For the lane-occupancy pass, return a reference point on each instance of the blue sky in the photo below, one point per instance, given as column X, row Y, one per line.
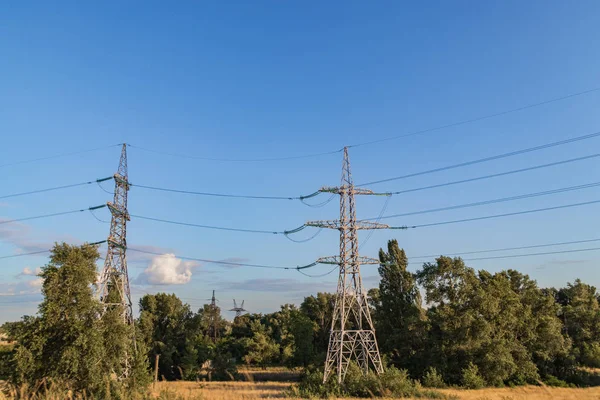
column 275, row 79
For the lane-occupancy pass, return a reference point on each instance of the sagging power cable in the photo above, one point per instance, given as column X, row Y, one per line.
column 585, row 203
column 227, row 195
column 486, row 159
column 510, row 248
column 545, row 253
column 492, row 201
column 55, row 188
column 476, row 119
column 32, row 253
column 515, row 171
column 395, row 137
column 234, row 264
column 52, row 215
column 221, row 228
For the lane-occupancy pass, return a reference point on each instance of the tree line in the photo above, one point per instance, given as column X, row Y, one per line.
column 444, row 324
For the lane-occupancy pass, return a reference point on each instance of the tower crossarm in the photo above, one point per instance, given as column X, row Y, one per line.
column 113, row 242
column 352, row 189
column 117, row 211
column 121, row 180
column 335, row 224
column 335, row 260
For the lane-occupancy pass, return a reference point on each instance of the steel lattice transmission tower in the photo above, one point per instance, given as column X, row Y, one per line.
column 352, row 335
column 113, row 288
column 214, row 318
column 238, row 310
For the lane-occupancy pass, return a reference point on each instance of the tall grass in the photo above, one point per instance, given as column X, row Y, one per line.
column 276, row 390
column 55, row 391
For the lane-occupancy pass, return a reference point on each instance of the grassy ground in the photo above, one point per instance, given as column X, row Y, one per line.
column 275, row 390
column 271, row 374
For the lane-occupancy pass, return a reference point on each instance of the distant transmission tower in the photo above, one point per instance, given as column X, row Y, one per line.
column 214, row 323
column 114, row 291
column 352, row 335
column 238, row 310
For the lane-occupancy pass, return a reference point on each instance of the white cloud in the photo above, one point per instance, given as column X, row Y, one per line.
column 29, row 287
column 36, row 283
column 30, row 272
column 167, row 270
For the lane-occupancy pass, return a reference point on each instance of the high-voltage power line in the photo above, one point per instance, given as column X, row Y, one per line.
column 486, row 159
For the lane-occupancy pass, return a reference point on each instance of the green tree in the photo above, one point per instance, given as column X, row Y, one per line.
column 580, row 313
column 399, row 316
column 501, row 323
column 117, row 336
column 302, row 329
column 319, row 309
column 262, row 349
column 280, row 327
column 169, row 329
column 65, row 341
column 211, row 322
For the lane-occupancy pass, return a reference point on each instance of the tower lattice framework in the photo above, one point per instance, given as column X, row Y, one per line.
column 114, row 278
column 214, row 318
column 352, row 335
column 238, row 310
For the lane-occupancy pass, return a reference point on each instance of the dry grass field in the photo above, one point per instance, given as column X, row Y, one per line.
column 276, row 390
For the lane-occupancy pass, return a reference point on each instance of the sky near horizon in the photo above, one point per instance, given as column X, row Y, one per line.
column 268, row 79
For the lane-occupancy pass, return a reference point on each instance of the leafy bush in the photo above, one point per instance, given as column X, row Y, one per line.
column 433, row 379
column 396, row 382
column 471, row 378
column 223, row 368
column 6, row 362
column 311, row 385
column 551, row 380
column 581, row 378
column 590, row 355
column 392, row 383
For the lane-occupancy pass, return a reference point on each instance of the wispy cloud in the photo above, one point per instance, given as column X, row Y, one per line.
column 24, row 238
column 560, row 263
column 36, row 283
column 21, row 288
column 27, row 271
column 284, row 285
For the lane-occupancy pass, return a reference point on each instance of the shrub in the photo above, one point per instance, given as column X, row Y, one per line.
column 551, row 380
column 590, row 355
column 392, row 383
column 6, row 362
column 311, row 386
column 224, row 369
column 582, row 378
column 433, row 379
column 471, row 378
column 396, row 382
